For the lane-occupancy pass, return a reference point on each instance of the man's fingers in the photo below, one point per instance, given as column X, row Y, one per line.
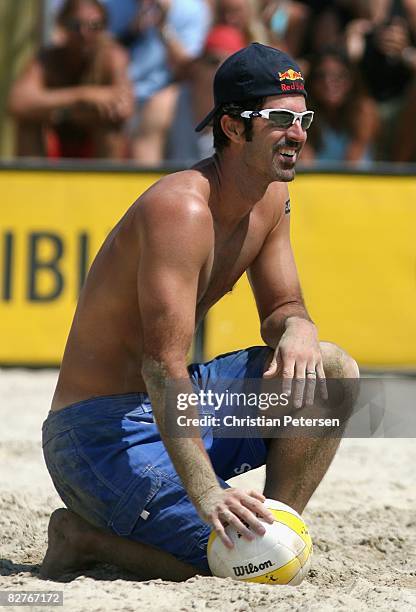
column 297, row 392
column 258, row 508
column 310, row 385
column 249, row 518
column 273, row 367
column 299, row 385
column 287, row 373
column 230, row 516
column 220, row 531
column 271, row 370
column 323, row 390
column 256, row 495
column 244, row 516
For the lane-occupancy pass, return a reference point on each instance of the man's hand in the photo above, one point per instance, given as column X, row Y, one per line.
column 298, row 355
column 151, row 14
column 393, row 38
column 221, row 507
column 111, row 103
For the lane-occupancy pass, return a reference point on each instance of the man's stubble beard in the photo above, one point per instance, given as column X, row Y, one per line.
column 284, row 175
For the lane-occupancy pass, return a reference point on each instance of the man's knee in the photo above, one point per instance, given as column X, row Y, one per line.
column 343, row 384
column 337, row 363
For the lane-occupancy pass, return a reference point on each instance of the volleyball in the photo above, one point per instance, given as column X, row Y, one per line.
column 281, row 556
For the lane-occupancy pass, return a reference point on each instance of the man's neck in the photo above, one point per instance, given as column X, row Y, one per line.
column 235, row 192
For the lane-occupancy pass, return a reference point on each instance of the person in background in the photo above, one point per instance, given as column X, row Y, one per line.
column 383, row 45
column 404, row 143
column 196, row 99
column 244, row 16
column 286, row 22
column 306, row 27
column 75, row 96
column 346, row 121
column 162, row 36
column 328, row 22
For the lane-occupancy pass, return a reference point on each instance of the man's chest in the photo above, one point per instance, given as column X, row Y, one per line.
column 230, row 257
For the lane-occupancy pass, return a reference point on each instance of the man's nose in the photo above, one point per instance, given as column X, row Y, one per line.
column 296, row 132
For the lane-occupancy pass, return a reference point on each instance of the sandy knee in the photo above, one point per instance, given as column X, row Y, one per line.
column 337, row 362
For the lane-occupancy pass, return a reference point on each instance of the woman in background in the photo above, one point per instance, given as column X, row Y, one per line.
column 346, row 121
column 243, row 15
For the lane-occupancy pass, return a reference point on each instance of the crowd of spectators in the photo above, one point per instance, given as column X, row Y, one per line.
column 129, row 79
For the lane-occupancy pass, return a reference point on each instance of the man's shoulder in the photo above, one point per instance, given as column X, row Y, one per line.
column 277, row 192
column 276, row 202
column 180, row 198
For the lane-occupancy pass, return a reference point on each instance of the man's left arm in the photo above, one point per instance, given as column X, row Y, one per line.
column 285, row 323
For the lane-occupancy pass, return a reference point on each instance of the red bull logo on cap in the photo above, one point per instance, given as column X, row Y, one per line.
column 290, row 75
column 294, row 76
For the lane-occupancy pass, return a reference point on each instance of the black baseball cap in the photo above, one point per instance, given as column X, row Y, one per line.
column 254, row 72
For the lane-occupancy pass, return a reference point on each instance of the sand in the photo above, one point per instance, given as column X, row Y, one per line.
column 362, row 519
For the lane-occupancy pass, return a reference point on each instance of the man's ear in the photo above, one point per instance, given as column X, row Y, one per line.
column 233, row 128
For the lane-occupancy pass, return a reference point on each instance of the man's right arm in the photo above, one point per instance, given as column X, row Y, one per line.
column 175, row 241
column 31, row 100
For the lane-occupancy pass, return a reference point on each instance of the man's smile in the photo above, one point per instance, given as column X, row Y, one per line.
column 287, row 152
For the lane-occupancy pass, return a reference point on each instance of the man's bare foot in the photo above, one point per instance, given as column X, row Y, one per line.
column 70, row 540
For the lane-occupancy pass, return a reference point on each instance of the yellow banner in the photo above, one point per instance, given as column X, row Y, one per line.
column 353, row 238
column 52, row 225
column 355, row 246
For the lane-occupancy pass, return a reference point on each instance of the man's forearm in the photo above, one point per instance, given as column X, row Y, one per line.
column 188, row 454
column 276, row 323
column 41, row 105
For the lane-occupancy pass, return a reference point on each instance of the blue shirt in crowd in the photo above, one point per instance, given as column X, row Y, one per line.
column 149, row 66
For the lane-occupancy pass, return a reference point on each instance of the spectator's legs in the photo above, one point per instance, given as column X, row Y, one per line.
column 111, row 143
column 29, row 139
column 404, row 146
column 156, row 116
column 390, row 115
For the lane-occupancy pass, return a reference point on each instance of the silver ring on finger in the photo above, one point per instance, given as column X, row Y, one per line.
column 310, row 373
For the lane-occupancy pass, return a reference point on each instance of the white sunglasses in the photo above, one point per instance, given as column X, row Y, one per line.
column 282, row 117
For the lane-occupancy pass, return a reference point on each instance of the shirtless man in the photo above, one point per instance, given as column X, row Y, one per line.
column 73, row 99
column 138, row 497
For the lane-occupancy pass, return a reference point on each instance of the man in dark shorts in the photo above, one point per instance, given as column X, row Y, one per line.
column 138, row 497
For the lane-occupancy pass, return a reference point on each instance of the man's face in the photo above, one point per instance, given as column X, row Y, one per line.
column 274, row 151
column 84, row 28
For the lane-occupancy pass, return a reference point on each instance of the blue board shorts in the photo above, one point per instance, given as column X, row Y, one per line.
column 109, row 465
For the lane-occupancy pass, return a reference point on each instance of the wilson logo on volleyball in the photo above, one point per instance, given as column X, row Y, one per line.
column 247, row 570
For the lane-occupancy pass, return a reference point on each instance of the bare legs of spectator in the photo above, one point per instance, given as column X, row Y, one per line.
column 156, row 116
column 29, row 140
column 404, row 147
column 111, row 143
